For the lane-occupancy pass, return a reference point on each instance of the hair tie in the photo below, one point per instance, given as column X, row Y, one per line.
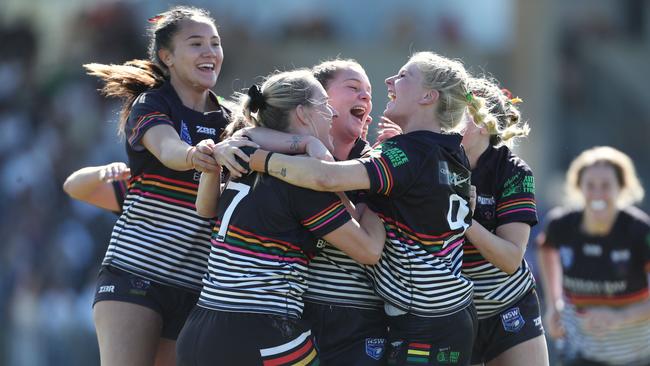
column 258, row 102
column 154, row 19
column 507, row 93
column 469, row 96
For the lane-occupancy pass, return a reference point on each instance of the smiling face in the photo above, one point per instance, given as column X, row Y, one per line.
column 197, row 55
column 319, row 116
column 350, row 95
column 405, row 91
column 600, row 188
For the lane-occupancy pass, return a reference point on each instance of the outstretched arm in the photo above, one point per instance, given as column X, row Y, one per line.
column 165, row 144
column 362, row 241
column 94, row 185
column 286, row 143
column 312, row 173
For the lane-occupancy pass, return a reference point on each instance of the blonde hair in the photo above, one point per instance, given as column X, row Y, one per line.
column 506, row 124
column 282, row 92
column 631, row 190
column 450, row 79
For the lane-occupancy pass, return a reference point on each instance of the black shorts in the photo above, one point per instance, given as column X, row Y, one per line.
column 213, row 337
column 347, row 336
column 172, row 303
column 447, row 340
column 515, row 324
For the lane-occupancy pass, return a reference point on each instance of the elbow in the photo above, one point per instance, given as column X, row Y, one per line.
column 510, row 269
column 69, row 189
column 325, row 181
column 374, row 254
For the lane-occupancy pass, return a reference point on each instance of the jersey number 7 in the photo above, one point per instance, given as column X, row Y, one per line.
column 242, row 191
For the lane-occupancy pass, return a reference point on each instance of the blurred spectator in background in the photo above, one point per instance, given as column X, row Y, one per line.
column 594, row 262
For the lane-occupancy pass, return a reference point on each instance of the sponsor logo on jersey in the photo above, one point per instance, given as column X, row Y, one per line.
column 375, row 347
column 105, row 289
column 566, row 256
column 185, row 133
column 512, row 320
column 622, row 255
column 206, row 130
column 447, row 177
column 592, row 250
column 396, row 156
column 485, row 200
column 321, row 243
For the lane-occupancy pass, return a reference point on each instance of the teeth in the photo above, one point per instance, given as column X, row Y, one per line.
column 598, row 205
column 391, row 96
column 209, row 66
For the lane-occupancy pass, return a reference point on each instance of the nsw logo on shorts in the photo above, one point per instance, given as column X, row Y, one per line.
column 512, row 320
column 375, row 347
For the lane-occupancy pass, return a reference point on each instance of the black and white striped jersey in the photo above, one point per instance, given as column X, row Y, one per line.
column 505, row 193
column 336, row 279
column 262, row 243
column 159, row 235
column 420, row 187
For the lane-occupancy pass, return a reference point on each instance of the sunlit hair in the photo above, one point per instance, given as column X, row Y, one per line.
column 282, row 92
column 450, row 79
column 631, row 190
column 506, row 124
column 326, row 71
column 129, row 80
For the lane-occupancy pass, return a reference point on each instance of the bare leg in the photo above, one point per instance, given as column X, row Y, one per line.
column 128, row 334
column 533, row 352
column 166, row 355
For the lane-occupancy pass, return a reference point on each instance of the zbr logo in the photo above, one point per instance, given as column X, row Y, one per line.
column 512, row 320
column 206, row 130
column 375, row 347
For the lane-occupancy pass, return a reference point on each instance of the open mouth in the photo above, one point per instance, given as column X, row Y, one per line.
column 391, row 96
column 358, row 112
column 206, row 66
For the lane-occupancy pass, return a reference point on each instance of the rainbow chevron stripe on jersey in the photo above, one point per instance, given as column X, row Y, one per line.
column 505, row 193
column 262, row 243
column 158, row 235
column 419, row 185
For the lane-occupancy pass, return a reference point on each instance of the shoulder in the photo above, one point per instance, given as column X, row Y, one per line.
column 511, row 161
column 156, row 99
column 636, row 218
column 562, row 216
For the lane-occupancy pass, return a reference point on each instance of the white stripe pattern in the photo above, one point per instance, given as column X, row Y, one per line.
column 163, row 242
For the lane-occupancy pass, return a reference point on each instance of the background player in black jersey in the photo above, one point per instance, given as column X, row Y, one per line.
column 510, row 330
column 419, row 184
column 103, row 186
column 159, row 246
column 250, row 307
column 594, row 261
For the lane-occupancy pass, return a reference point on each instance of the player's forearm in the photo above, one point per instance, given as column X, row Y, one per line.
column 551, row 272
column 208, row 194
column 277, row 141
column 502, row 253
